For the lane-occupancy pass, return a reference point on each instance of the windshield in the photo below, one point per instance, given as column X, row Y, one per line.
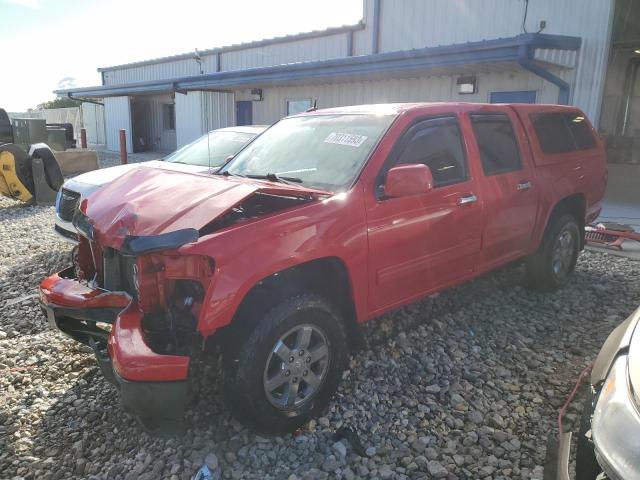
column 212, row 153
column 319, row 151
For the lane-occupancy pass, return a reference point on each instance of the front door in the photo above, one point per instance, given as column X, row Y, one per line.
column 244, row 112
column 508, row 187
column 421, row 243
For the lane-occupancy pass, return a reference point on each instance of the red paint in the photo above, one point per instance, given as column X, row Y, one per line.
column 131, row 357
column 66, row 292
column 395, row 250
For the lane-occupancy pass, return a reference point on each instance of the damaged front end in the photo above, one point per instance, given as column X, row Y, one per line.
column 138, row 309
column 135, row 295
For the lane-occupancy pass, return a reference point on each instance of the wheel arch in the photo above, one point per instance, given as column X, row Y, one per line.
column 574, row 204
column 326, row 276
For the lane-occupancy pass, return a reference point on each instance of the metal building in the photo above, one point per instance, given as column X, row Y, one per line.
column 543, row 51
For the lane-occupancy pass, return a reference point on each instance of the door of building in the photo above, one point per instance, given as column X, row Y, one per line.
column 244, row 112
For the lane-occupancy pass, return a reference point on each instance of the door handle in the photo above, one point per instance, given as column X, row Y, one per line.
column 467, row 199
column 523, row 186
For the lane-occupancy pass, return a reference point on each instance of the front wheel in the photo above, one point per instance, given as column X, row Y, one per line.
column 551, row 266
column 286, row 371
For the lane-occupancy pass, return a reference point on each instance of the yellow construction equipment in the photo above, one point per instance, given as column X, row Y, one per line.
column 34, row 177
column 11, row 183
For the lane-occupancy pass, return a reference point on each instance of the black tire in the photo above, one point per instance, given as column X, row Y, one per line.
column 587, row 467
column 542, row 272
column 245, row 363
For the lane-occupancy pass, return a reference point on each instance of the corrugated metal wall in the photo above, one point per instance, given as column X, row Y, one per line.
column 218, row 110
column 407, row 24
column 188, row 117
column 172, row 69
column 93, row 122
column 118, row 114
column 199, row 112
column 418, row 89
column 319, row 48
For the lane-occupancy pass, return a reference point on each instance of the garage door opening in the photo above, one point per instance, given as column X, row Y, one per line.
column 153, row 123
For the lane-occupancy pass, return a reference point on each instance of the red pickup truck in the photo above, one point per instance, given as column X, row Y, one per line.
column 328, row 219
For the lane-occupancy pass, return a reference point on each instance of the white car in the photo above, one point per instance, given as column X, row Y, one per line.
column 204, row 154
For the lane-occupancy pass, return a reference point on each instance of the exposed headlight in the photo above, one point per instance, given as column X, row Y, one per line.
column 615, row 426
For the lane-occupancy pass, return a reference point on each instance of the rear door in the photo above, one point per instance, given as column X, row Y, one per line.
column 427, row 241
column 509, row 189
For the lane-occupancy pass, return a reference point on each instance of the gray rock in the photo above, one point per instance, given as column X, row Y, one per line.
column 436, row 470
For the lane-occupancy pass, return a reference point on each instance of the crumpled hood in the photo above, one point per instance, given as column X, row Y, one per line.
column 148, row 202
column 105, row 175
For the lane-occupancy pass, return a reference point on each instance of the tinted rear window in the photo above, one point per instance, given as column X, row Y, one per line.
column 580, row 130
column 562, row 132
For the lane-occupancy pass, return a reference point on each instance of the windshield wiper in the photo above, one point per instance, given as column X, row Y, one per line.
column 272, row 177
column 227, row 173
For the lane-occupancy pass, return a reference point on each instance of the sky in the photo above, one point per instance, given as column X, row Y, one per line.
column 51, row 44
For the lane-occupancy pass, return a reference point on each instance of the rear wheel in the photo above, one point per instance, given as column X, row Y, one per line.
column 551, row 266
column 287, row 369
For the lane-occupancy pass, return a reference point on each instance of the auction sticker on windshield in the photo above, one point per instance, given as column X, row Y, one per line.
column 349, row 139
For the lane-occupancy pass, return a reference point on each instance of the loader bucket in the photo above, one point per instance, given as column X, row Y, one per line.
column 16, row 179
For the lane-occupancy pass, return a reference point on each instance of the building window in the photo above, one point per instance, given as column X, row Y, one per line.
column 496, row 142
column 298, row 106
column 169, row 116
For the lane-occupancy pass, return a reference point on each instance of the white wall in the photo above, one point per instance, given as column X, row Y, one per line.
column 417, row 89
column 118, row 115
column 310, row 49
column 188, row 117
column 93, row 122
column 407, row 24
column 199, row 112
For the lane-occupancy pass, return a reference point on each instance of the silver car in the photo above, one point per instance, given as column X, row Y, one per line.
column 608, row 444
column 207, row 152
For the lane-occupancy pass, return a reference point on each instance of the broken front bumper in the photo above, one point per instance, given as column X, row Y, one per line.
column 153, row 387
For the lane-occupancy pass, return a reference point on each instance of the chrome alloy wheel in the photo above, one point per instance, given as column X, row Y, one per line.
column 296, row 367
column 563, row 252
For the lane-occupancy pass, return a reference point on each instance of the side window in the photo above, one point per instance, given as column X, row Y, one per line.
column 438, row 144
column 562, row 132
column 497, row 143
column 552, row 132
column 580, row 130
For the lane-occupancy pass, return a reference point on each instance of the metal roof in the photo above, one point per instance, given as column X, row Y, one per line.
column 512, row 51
column 241, row 46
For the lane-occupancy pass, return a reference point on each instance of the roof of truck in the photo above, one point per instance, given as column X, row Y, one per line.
column 397, row 108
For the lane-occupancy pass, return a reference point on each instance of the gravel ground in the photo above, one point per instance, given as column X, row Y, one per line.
column 464, row 385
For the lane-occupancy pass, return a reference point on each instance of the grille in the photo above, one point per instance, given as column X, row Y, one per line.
column 118, row 271
column 68, row 204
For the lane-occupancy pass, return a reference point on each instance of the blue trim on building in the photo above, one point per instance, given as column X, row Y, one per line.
column 375, row 34
column 525, row 60
column 517, row 50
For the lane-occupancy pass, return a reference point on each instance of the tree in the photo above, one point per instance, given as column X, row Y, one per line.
column 60, row 102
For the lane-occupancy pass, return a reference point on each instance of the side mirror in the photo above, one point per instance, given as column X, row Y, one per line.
column 229, row 158
column 407, row 180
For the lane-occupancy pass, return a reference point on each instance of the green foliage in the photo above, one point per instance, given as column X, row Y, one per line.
column 60, row 102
